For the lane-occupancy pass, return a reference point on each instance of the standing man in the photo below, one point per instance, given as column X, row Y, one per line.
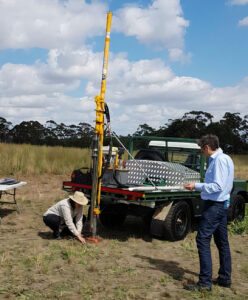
column 215, row 192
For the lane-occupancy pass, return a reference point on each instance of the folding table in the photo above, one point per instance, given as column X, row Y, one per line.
column 10, row 189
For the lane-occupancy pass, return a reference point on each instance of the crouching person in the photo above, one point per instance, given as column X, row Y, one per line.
column 67, row 214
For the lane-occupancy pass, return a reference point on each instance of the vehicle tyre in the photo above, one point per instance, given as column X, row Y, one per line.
column 149, row 155
column 236, row 211
column 113, row 215
column 178, row 221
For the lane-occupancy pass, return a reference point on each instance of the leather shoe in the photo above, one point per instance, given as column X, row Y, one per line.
column 197, row 287
column 221, row 283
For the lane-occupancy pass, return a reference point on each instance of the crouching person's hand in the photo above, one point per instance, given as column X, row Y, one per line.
column 81, row 239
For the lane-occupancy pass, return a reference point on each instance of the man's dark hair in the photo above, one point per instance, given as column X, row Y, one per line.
column 211, row 140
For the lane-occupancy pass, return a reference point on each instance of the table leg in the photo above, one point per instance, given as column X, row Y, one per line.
column 14, row 197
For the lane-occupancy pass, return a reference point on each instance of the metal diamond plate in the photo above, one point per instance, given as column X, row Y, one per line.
column 163, row 173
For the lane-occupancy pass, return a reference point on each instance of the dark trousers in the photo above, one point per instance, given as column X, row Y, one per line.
column 53, row 222
column 213, row 222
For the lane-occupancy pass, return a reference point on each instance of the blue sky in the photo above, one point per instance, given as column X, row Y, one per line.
column 167, row 57
column 218, row 44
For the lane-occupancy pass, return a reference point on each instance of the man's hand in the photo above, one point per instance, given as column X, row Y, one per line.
column 189, row 186
column 81, row 239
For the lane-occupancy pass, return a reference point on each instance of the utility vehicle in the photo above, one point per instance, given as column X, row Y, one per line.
column 149, row 185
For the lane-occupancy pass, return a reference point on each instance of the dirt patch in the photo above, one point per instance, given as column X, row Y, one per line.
column 127, row 264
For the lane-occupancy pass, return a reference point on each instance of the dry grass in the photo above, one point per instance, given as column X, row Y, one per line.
column 241, row 166
column 34, row 160
column 127, row 264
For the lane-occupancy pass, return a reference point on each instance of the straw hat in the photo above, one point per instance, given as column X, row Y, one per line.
column 79, row 198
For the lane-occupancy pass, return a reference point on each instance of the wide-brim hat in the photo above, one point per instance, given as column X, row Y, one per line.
column 79, row 198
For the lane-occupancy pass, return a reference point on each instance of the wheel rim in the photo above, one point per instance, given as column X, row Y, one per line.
column 181, row 222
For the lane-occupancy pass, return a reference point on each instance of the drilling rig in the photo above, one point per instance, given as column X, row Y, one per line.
column 97, row 149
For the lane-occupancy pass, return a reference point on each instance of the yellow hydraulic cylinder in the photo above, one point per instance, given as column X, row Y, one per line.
column 99, row 128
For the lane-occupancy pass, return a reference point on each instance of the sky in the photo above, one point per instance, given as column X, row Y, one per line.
column 167, row 57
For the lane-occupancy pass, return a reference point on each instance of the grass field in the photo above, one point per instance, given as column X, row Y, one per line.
column 34, row 160
column 128, row 264
column 241, row 166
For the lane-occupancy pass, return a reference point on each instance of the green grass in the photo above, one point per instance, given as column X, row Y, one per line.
column 121, row 292
column 237, row 227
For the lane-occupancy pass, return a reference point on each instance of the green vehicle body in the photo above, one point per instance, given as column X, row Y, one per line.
column 240, row 186
column 170, row 213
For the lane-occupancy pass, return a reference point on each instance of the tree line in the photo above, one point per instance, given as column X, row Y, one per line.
column 50, row 134
column 232, row 130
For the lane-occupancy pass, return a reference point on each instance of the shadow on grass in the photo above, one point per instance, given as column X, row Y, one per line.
column 171, row 268
column 4, row 212
column 133, row 227
column 46, row 235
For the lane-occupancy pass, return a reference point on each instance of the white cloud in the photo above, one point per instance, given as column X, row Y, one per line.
column 49, row 23
column 145, row 91
column 26, row 80
column 54, row 24
column 69, row 65
column 238, row 2
column 57, row 107
column 162, row 23
column 243, row 22
column 157, row 101
column 38, row 92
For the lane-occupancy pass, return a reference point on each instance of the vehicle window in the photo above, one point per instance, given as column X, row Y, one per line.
column 188, row 160
column 177, row 157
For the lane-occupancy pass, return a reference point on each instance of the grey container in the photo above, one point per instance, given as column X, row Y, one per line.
column 115, row 177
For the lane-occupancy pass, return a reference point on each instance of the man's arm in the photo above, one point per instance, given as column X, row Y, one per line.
column 220, row 174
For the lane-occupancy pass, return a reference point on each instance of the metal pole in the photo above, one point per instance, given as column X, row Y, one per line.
column 95, row 149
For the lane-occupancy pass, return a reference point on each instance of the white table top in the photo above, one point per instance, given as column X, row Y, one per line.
column 5, row 187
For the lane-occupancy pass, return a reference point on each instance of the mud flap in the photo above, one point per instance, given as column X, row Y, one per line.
column 157, row 223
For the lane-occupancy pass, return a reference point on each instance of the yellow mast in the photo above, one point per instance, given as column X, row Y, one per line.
column 100, row 101
column 99, row 129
